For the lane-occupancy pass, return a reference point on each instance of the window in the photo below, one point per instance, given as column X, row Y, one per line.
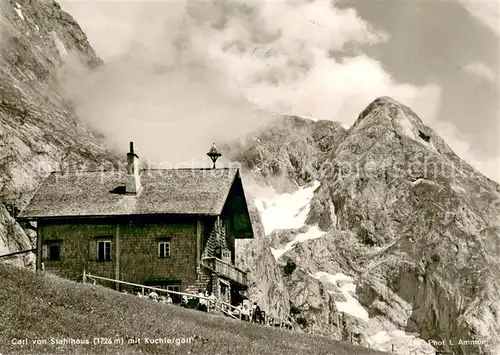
column 224, row 291
column 104, row 250
column 51, row 250
column 175, row 288
column 226, row 255
column 100, row 248
column 54, row 252
column 163, row 249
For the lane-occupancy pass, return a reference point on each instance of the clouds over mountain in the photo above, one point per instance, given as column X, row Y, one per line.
column 184, row 69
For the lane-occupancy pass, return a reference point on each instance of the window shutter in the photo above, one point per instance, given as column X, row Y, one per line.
column 92, row 250
column 108, row 251
column 45, row 251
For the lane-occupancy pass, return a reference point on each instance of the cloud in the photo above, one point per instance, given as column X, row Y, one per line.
column 340, row 90
column 486, row 12
column 488, row 166
column 180, row 75
column 481, row 70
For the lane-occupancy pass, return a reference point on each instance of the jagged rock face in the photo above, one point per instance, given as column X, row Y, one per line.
column 39, row 131
column 414, row 225
column 287, row 152
column 14, row 238
column 265, row 279
column 265, row 159
column 436, row 218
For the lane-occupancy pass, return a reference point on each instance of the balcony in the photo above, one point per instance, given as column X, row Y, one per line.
column 226, row 270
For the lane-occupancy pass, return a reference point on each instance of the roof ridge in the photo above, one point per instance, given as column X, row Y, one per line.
column 165, row 191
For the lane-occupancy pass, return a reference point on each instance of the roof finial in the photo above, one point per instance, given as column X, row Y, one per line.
column 214, row 154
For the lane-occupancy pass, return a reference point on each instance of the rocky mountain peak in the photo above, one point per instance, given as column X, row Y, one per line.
column 414, row 226
column 386, row 113
column 382, row 102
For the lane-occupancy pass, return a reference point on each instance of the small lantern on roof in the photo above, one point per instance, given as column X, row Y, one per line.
column 213, row 154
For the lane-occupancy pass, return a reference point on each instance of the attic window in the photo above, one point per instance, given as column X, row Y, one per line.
column 120, row 189
column 424, row 136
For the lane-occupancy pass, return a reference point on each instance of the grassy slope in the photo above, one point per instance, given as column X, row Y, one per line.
column 41, row 306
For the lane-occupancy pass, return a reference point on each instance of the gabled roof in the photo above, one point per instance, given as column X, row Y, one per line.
column 168, row 191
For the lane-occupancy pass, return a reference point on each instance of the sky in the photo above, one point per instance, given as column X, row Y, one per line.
column 184, row 74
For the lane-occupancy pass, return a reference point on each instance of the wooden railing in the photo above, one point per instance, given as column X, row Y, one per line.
column 220, row 306
column 211, row 304
column 226, row 269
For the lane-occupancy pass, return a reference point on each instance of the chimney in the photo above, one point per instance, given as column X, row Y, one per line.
column 130, row 159
column 133, row 167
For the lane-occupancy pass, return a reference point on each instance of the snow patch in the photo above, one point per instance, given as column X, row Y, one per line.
column 408, row 129
column 285, row 211
column 423, row 181
column 457, row 189
column 379, row 338
column 429, row 145
column 406, row 126
column 313, row 233
column 60, row 46
column 346, row 126
column 302, row 116
column 432, row 147
column 19, row 11
column 348, row 288
column 404, row 343
column 37, row 28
